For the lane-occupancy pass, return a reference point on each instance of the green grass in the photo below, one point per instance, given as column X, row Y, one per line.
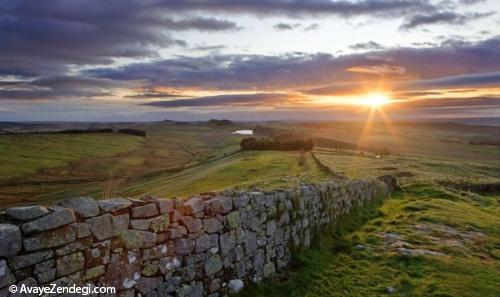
column 264, row 170
column 26, row 154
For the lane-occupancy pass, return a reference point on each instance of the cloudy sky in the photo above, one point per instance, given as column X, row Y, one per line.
column 121, row 60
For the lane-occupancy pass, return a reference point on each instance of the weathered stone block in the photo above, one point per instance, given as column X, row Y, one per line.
column 206, row 242
column 140, row 224
column 6, row 276
column 70, row 263
column 213, row 264
column 220, row 205
column 94, row 272
column 183, row 246
column 170, row 285
column 98, row 254
column 58, row 218
column 147, row 284
column 10, row 240
column 120, row 223
column 84, row 207
column 156, row 252
column 26, row 260
column 227, row 242
column 192, row 290
column 51, row 238
column 235, row 286
column 145, row 211
column 123, row 270
column 101, row 227
column 25, row 213
column 233, row 219
column 193, row 206
column 169, row 264
column 212, row 225
column 160, row 223
column 193, row 225
column 251, row 243
column 114, row 205
column 82, row 230
column 134, row 239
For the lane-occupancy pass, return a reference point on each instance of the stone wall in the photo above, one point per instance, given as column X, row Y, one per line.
column 209, row 245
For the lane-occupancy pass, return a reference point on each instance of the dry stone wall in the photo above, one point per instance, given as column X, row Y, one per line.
column 209, row 245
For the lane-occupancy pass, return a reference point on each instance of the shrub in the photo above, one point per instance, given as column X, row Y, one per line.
column 270, row 144
column 135, row 132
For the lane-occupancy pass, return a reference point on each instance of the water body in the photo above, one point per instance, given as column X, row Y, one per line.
column 243, row 132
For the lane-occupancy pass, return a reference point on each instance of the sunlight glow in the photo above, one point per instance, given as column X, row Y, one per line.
column 376, row 100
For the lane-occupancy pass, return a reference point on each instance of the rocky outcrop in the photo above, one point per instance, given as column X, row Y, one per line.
column 209, row 245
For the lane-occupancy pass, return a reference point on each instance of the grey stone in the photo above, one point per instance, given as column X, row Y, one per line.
column 193, row 206
column 160, row 223
column 114, row 205
column 271, row 228
column 84, row 207
column 206, row 242
column 58, row 218
column 220, row 205
column 101, row 227
column 46, row 276
column 193, row 225
column 26, row 260
column 233, row 219
column 251, row 243
column 213, row 264
column 25, row 213
column 169, row 264
column 170, row 285
column 98, row 254
column 156, row 252
column 44, row 266
column 28, row 283
column 69, row 264
column 6, row 276
column 94, row 272
column 82, row 230
column 51, row 238
column 10, row 240
column 240, row 201
column 212, row 225
column 138, row 239
column 193, row 290
column 76, row 246
column 227, row 242
column 123, row 270
column 269, row 269
column 120, row 223
column 183, row 246
column 141, row 224
column 147, row 284
column 145, row 211
column 235, row 286
column 164, row 205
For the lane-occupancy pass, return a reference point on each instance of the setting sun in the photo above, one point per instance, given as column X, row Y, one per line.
column 376, row 100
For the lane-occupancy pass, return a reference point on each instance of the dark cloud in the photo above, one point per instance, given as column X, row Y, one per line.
column 304, row 8
column 66, row 87
column 44, row 38
column 370, row 45
column 312, row 27
column 292, row 71
column 440, row 102
column 448, row 17
column 228, row 100
column 209, row 48
column 285, row 26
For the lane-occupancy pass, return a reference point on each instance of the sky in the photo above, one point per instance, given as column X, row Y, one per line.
column 148, row 60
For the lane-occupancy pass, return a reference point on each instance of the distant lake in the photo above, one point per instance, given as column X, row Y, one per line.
column 243, row 132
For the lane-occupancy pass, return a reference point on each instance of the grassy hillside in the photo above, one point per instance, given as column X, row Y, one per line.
column 28, row 153
column 264, row 170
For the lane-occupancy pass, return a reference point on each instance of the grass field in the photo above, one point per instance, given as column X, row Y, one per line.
column 430, row 238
